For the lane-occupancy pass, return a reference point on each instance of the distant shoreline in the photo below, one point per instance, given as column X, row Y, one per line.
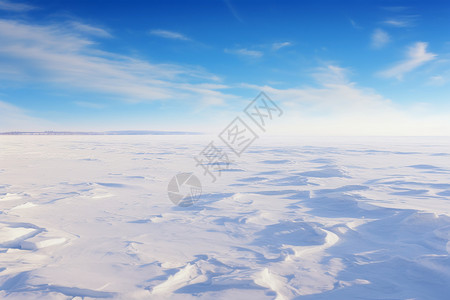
column 125, row 132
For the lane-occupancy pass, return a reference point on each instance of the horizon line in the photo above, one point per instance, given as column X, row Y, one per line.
column 113, row 132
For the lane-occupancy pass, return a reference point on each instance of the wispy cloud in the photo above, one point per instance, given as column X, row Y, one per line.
column 331, row 74
column 439, row 80
column 380, row 38
column 245, row 52
column 396, row 23
column 278, row 46
column 91, row 30
column 338, row 106
column 355, row 25
column 169, row 34
column 15, row 7
column 401, row 21
column 233, row 10
column 63, row 57
column 15, row 118
column 417, row 55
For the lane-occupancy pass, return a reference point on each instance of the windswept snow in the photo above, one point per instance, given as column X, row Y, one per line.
column 299, row 218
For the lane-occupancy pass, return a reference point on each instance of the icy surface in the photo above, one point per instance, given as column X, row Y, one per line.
column 308, row 218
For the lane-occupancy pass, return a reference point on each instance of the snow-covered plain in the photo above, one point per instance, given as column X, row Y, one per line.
column 308, row 218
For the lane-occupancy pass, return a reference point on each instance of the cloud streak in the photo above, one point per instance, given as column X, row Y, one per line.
column 417, row 56
column 233, row 11
column 65, row 58
column 90, row 30
column 245, row 52
column 278, row 46
column 355, row 25
column 167, row 34
column 401, row 21
column 15, row 7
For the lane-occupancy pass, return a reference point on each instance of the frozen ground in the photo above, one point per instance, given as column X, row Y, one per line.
column 356, row 218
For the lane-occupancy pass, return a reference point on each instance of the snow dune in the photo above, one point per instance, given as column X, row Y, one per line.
column 304, row 218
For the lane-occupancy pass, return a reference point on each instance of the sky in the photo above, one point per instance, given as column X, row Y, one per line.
column 333, row 67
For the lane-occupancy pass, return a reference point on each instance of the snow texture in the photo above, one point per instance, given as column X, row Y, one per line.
column 84, row 217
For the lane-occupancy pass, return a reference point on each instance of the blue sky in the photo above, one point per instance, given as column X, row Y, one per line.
column 335, row 67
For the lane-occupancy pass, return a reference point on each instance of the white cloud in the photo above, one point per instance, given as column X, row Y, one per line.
column 91, row 30
column 396, row 23
column 278, row 46
column 380, row 38
column 355, row 25
column 417, row 56
column 169, row 34
column 15, row 7
column 401, row 21
column 14, row 118
column 245, row 52
column 438, row 80
column 233, row 11
column 331, row 74
column 65, row 58
column 338, row 106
